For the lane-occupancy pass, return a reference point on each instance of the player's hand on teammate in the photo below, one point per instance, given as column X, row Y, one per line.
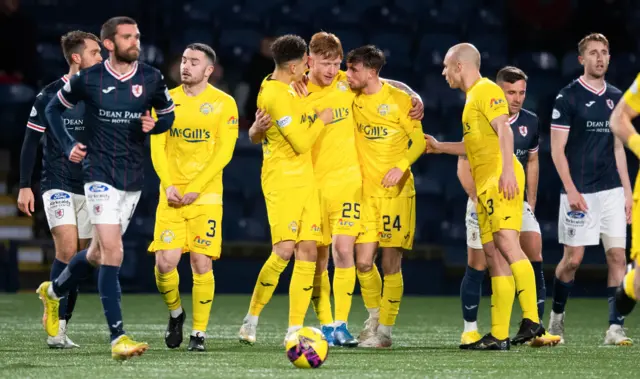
column 148, row 123
column 173, row 196
column 577, row 201
column 262, row 122
column 392, row 177
column 417, row 111
column 432, row 145
column 26, row 201
column 326, row 115
column 301, row 86
column 78, row 153
column 508, row 184
column 189, row 198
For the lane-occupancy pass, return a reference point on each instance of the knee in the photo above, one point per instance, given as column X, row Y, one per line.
column 364, row 266
column 200, row 263
column 616, row 258
column 165, row 262
column 391, row 261
column 572, row 261
column 65, row 253
column 307, row 251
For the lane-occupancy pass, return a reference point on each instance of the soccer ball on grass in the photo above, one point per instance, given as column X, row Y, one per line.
column 307, row 348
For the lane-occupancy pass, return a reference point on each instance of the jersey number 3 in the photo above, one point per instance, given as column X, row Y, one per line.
column 212, row 228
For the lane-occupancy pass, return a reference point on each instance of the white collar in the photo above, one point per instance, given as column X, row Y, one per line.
column 121, row 77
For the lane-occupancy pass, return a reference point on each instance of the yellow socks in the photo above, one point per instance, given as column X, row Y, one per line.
column 321, row 298
column 526, row 289
column 344, row 282
column 202, row 298
column 168, row 286
column 392, row 295
column 266, row 283
column 300, row 291
column 371, row 288
column 628, row 284
column 503, row 288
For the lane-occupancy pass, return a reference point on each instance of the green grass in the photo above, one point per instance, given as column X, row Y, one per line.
column 425, row 344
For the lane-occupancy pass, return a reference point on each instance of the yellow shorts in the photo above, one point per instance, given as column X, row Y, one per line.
column 194, row 228
column 341, row 211
column 391, row 221
column 294, row 214
column 495, row 212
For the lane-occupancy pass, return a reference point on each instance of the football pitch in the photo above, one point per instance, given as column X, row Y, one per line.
column 425, row 344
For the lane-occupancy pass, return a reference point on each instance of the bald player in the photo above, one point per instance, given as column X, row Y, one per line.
column 499, row 181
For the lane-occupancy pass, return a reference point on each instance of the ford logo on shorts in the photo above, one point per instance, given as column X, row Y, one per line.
column 576, row 214
column 98, row 188
column 474, row 216
column 60, row 196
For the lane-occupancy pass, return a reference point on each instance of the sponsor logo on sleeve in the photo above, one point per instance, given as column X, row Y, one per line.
column 284, row 121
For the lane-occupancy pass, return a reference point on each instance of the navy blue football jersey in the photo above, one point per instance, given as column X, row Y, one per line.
column 526, row 135
column 114, row 104
column 584, row 112
column 57, row 171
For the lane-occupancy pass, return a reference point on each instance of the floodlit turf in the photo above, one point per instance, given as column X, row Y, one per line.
column 425, row 344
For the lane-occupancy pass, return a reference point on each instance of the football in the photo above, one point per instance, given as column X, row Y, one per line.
column 307, row 348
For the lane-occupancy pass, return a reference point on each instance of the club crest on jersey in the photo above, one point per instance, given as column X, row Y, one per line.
column 293, row 226
column 136, row 90
column 523, row 130
column 610, row 103
column 206, row 108
column 383, row 110
column 342, row 86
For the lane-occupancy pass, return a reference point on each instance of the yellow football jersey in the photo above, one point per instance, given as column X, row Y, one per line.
column 334, row 155
column 632, row 95
column 192, row 154
column 382, row 139
column 286, row 147
column 485, row 101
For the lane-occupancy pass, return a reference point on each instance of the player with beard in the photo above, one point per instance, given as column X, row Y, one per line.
column 118, row 96
column 189, row 161
column 595, row 202
column 61, row 181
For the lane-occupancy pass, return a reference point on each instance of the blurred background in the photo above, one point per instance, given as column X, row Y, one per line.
column 539, row 36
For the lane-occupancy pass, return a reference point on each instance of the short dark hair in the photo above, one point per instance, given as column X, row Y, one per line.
column 369, row 55
column 287, row 48
column 206, row 49
column 511, row 74
column 74, row 42
column 593, row 37
column 110, row 28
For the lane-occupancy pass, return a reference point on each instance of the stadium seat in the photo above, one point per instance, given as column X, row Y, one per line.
column 484, row 21
column 537, row 61
column 570, row 66
column 389, row 16
column 240, row 43
column 439, row 21
column 489, row 45
column 416, row 7
column 330, row 17
column 349, row 37
column 396, row 46
column 152, row 55
column 432, row 48
column 16, row 94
